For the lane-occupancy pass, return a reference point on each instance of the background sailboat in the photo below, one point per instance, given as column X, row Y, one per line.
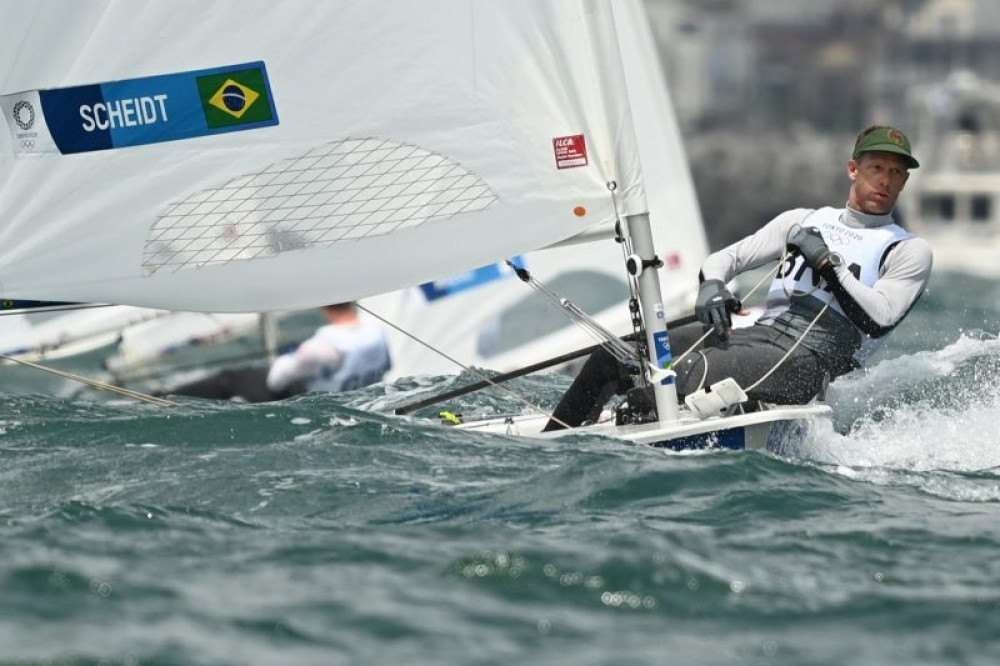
column 54, row 335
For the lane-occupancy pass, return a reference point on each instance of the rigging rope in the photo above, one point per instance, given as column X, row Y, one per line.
column 750, row 293
column 784, row 256
column 111, row 388
column 611, row 342
column 789, row 352
column 774, row 368
column 608, row 340
column 631, row 281
column 464, row 367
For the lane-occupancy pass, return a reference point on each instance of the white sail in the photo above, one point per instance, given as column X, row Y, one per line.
column 491, row 319
column 488, row 318
column 673, row 204
column 237, row 156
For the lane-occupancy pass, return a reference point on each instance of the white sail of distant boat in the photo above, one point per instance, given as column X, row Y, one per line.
column 60, row 334
column 208, row 162
column 156, row 341
column 145, row 335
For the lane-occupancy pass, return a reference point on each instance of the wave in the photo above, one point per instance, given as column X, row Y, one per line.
column 925, row 420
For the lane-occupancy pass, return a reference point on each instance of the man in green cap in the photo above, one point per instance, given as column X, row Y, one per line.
column 848, row 277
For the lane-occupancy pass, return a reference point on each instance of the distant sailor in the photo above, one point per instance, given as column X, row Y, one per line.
column 856, row 259
column 347, row 353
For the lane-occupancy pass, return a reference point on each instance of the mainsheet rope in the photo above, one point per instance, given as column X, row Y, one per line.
column 798, row 341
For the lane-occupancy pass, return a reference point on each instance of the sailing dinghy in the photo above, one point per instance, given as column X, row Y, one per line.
column 234, row 158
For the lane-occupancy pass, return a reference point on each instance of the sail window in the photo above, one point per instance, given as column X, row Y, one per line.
column 534, row 317
column 341, row 191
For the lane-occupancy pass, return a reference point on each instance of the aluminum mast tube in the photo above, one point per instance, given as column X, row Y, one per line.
column 664, row 391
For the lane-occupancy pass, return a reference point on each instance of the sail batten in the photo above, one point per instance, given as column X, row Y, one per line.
column 233, row 157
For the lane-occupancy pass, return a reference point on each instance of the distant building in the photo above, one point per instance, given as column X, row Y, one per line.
column 932, row 40
column 705, row 54
column 944, row 35
column 831, row 64
column 771, row 63
column 770, row 94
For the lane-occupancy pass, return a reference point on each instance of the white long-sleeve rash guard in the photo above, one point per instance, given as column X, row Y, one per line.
column 304, row 363
column 902, row 276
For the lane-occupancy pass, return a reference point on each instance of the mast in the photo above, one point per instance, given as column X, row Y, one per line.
column 269, row 335
column 651, row 302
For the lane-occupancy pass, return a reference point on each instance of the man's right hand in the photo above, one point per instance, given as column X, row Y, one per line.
column 808, row 241
column 713, row 306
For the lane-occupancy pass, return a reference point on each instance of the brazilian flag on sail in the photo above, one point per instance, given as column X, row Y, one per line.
column 235, row 98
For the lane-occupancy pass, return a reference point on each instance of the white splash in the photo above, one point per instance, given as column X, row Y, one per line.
column 889, row 377
column 943, row 438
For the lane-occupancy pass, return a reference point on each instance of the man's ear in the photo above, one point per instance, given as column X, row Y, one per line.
column 852, row 169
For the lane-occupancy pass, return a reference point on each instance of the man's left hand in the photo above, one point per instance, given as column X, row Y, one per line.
column 808, row 241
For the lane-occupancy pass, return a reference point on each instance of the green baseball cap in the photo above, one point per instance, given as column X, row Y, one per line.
column 884, row 139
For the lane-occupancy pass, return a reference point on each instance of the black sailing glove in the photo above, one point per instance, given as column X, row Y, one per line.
column 713, row 305
column 808, row 242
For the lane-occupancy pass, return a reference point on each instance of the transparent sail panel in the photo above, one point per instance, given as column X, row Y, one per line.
column 338, row 192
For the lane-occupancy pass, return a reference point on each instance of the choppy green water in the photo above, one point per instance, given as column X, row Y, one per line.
column 318, row 532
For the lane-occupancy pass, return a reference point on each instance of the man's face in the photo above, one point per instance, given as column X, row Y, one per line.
column 877, row 179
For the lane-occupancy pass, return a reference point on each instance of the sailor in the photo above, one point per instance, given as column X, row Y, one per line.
column 851, row 274
column 347, row 353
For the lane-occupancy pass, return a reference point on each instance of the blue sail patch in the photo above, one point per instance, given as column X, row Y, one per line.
column 469, row 280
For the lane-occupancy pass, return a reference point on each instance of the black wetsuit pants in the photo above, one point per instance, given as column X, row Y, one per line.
column 747, row 355
column 247, row 383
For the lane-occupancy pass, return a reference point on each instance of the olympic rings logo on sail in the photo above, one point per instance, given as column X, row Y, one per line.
column 20, row 109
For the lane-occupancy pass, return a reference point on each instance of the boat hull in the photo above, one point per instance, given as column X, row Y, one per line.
column 764, row 430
